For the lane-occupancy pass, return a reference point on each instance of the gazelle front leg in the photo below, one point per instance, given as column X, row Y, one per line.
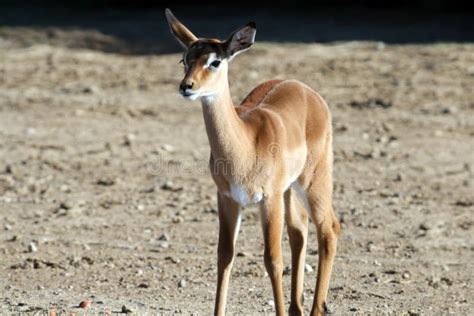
column 272, row 212
column 229, row 224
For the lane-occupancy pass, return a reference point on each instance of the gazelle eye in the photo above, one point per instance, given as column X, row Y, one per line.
column 215, row 63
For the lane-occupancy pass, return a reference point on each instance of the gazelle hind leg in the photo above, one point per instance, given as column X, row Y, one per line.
column 319, row 197
column 297, row 224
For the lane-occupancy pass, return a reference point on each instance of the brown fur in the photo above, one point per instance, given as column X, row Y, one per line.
column 256, row 96
column 279, row 137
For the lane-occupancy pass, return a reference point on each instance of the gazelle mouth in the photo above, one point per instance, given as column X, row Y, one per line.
column 189, row 95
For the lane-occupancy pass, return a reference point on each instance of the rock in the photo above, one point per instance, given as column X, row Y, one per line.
column 90, row 89
column 308, row 268
column 167, row 148
column 7, row 227
column 65, row 205
column 271, row 303
column 9, row 169
column 398, row 178
column 164, row 245
column 211, row 210
column 406, row 275
column 425, row 226
column 341, row 128
column 85, row 304
column 464, row 203
column 129, row 139
column 387, row 127
column 447, row 281
column 149, row 189
column 370, row 246
column 182, row 283
column 170, row 186
column 177, row 219
column 371, row 103
column 449, row 110
column 32, row 247
column 355, row 211
column 125, row 310
column 143, row 286
column 105, row 181
column 173, row 259
column 37, row 264
column 30, row 131
column 164, row 237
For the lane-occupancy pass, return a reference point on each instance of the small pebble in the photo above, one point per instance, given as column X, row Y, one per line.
column 370, row 246
column 424, row 226
column 211, row 210
column 182, row 283
column 164, row 237
column 308, row 268
column 125, row 309
column 85, row 304
column 129, row 139
column 30, row 131
column 164, row 245
column 177, row 219
column 167, row 147
column 32, row 247
column 168, row 185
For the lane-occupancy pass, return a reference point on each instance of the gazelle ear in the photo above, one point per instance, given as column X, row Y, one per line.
column 184, row 36
column 240, row 40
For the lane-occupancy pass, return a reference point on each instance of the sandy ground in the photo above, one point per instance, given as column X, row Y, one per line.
column 105, row 195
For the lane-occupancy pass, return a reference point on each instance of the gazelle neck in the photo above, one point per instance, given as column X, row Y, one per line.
column 228, row 135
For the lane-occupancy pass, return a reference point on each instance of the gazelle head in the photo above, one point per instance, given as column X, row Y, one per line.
column 206, row 60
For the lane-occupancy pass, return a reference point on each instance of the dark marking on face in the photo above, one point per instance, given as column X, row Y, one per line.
column 204, row 47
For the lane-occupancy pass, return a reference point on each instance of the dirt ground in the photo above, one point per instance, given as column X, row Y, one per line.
column 105, row 194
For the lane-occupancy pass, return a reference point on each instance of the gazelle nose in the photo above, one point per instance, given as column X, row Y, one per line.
column 185, row 85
